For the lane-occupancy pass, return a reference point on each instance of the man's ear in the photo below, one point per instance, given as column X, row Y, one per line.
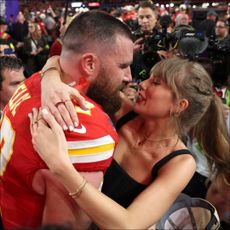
column 89, row 64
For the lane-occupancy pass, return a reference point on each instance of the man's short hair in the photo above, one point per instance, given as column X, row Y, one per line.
column 146, row 4
column 11, row 63
column 226, row 22
column 93, row 27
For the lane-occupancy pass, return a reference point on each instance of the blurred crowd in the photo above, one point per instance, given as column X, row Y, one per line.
column 28, row 39
column 34, row 35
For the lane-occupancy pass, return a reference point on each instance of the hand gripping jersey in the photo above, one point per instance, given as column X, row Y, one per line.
column 90, row 145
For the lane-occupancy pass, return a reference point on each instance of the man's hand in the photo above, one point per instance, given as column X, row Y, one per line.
column 138, row 45
column 131, row 91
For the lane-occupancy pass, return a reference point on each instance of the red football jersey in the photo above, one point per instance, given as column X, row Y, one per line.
column 90, row 147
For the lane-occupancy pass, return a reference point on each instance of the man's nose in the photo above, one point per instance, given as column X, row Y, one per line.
column 145, row 19
column 128, row 75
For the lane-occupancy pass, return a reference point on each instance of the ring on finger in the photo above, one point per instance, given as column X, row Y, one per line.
column 36, row 122
column 59, row 103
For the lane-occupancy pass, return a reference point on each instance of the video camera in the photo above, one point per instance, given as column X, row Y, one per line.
column 152, row 43
column 208, row 51
column 190, row 44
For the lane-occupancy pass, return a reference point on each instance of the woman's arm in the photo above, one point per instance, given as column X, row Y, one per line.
column 144, row 211
column 58, row 97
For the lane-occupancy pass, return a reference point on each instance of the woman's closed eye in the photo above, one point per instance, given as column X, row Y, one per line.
column 156, row 81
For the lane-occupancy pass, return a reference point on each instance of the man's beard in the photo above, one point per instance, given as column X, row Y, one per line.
column 101, row 92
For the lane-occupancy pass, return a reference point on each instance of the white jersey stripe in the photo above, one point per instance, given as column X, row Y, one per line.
column 90, row 143
column 91, row 158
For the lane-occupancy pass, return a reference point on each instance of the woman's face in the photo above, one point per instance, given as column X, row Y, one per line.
column 31, row 28
column 155, row 99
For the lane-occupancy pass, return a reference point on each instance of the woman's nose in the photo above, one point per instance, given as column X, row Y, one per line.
column 142, row 85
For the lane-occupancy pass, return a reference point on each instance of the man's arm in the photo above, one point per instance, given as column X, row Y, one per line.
column 59, row 207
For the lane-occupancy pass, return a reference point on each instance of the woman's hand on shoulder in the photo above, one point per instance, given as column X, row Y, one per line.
column 59, row 97
column 48, row 138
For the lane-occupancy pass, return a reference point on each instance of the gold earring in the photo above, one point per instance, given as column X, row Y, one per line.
column 174, row 114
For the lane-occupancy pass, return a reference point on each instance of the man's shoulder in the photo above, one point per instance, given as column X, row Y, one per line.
column 228, row 38
column 94, row 121
column 24, row 99
column 91, row 144
column 33, row 83
column 94, row 109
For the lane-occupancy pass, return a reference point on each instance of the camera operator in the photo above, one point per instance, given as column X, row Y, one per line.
column 219, row 52
column 146, row 39
column 222, row 31
column 208, row 25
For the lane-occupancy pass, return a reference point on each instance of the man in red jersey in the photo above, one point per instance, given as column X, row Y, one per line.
column 97, row 49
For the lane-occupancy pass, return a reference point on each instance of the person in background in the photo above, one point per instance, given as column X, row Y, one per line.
column 20, row 27
column 220, row 51
column 219, row 195
column 35, row 49
column 30, row 194
column 222, row 31
column 5, row 38
column 150, row 155
column 56, row 47
column 10, row 23
column 19, row 32
column 11, row 76
column 143, row 46
column 208, row 25
column 6, row 48
column 50, row 25
column 182, row 19
column 147, row 31
column 39, row 20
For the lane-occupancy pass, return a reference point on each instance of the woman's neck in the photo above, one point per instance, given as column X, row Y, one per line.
column 155, row 138
column 157, row 130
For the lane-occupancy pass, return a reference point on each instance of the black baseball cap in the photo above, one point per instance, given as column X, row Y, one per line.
column 212, row 12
